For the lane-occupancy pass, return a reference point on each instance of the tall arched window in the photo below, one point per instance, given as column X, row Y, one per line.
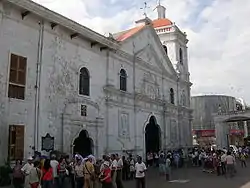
column 84, row 82
column 123, row 80
column 172, row 96
column 181, row 56
column 165, row 49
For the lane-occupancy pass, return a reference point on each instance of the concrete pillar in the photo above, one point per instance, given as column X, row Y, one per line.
column 221, row 132
column 245, row 129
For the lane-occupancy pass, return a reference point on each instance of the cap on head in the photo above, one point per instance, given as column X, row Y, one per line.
column 30, row 158
column 106, row 163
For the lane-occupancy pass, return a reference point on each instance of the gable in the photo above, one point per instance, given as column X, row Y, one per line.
column 146, row 45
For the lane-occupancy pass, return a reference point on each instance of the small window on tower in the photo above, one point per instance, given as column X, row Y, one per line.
column 83, row 110
column 165, row 49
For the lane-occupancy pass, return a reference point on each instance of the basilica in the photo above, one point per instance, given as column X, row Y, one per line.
column 65, row 87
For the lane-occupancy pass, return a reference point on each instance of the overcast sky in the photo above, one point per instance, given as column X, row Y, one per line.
column 218, row 33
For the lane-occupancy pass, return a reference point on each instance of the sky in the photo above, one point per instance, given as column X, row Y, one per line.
column 218, row 33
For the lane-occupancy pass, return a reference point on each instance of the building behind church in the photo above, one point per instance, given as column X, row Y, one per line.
column 92, row 94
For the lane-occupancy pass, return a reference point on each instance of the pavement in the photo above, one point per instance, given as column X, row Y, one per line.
column 196, row 178
column 193, row 178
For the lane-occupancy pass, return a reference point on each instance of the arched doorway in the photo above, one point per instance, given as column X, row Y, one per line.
column 152, row 136
column 83, row 144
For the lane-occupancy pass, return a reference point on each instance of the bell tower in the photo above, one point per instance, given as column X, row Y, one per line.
column 174, row 41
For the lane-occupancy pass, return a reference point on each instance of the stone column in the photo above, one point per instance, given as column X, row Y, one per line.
column 245, row 129
column 221, row 132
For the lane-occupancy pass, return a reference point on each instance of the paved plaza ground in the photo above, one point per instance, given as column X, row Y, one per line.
column 195, row 178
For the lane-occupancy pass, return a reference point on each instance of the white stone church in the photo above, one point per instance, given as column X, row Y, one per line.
column 94, row 94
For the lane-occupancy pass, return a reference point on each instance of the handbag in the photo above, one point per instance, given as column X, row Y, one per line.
column 92, row 177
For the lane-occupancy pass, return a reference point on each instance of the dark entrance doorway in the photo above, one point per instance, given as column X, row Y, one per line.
column 83, row 144
column 152, row 136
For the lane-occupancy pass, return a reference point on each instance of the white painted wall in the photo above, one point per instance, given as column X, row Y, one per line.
column 60, row 102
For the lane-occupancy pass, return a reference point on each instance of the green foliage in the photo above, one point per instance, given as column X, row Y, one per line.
column 5, row 171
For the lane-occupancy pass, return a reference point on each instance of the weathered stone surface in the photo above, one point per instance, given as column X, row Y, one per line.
column 59, row 103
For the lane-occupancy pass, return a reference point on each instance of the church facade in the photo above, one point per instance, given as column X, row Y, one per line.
column 93, row 94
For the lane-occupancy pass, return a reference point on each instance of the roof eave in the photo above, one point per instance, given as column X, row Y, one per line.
column 54, row 17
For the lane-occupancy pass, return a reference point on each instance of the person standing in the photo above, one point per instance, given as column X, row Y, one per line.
column 47, row 175
column 140, row 169
column 230, row 164
column 35, row 175
column 54, row 165
column 119, row 172
column 125, row 169
column 162, row 167
column 114, row 170
column 105, row 176
column 243, row 160
column 18, row 175
column 131, row 167
column 62, row 172
column 156, row 159
column 26, row 171
column 223, row 163
column 79, row 173
column 89, row 172
column 168, row 168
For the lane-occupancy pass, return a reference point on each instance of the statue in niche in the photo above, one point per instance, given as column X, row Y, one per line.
column 124, row 129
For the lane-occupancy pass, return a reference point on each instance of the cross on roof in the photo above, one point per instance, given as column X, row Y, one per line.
column 145, row 9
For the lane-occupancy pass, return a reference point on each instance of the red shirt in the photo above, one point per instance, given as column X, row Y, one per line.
column 47, row 175
column 107, row 172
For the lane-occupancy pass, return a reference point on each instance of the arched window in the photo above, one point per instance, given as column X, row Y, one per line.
column 165, row 49
column 123, row 80
column 181, row 56
column 172, row 96
column 84, row 82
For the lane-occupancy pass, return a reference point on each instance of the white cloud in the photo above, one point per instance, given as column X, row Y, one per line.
column 219, row 49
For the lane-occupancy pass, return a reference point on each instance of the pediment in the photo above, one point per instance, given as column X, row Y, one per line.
column 146, row 45
column 149, row 56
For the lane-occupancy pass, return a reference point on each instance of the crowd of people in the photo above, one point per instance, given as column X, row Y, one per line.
column 111, row 171
column 79, row 172
column 219, row 161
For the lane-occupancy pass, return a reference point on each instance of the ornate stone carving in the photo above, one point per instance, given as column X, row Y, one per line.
column 149, row 86
column 124, row 124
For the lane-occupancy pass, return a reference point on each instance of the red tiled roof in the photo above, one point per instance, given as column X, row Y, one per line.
column 161, row 22
column 129, row 33
column 155, row 23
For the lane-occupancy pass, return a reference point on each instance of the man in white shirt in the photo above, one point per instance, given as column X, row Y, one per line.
column 113, row 170
column 26, row 171
column 140, row 169
column 54, row 165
